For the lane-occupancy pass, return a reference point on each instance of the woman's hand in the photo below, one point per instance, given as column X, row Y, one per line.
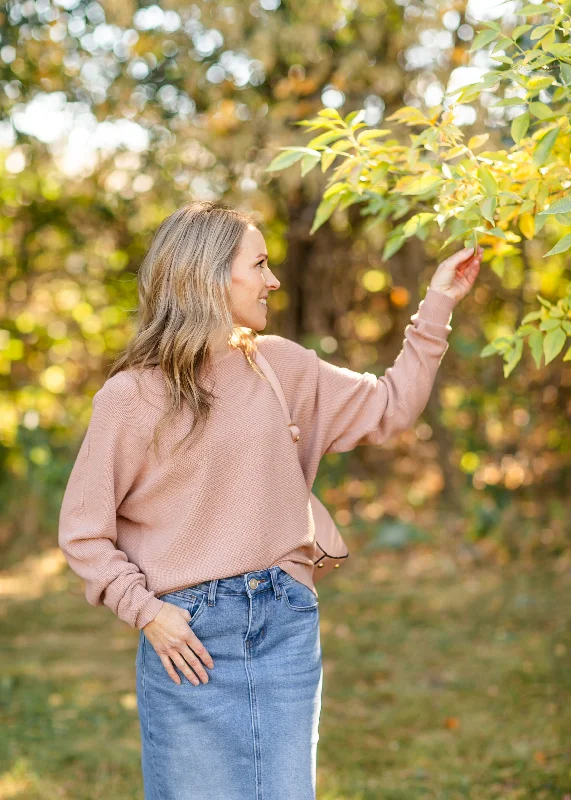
column 456, row 276
column 172, row 638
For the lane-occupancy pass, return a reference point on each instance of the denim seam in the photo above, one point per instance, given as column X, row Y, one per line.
column 196, row 609
column 147, row 717
column 253, row 713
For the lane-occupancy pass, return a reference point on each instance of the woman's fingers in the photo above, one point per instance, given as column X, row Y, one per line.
column 470, row 273
column 469, row 265
column 173, row 640
column 195, row 663
column 458, row 258
column 166, row 662
column 184, row 658
column 182, row 664
column 200, row 649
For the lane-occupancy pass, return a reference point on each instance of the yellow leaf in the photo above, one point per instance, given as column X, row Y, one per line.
column 526, row 224
column 478, row 141
column 410, row 115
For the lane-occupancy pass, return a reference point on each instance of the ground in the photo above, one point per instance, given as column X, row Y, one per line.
column 439, row 682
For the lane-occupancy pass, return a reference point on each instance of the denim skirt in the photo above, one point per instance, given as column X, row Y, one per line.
column 251, row 732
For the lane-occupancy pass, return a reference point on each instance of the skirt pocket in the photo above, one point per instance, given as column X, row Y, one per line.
column 299, row 597
column 192, row 601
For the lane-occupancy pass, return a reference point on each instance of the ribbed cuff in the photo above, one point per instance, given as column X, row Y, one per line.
column 148, row 612
column 436, row 307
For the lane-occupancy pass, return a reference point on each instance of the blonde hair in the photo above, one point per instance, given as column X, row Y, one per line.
column 184, row 287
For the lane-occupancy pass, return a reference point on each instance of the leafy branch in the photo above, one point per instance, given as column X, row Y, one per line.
column 456, row 190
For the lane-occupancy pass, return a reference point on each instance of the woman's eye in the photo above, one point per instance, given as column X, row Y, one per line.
column 261, row 264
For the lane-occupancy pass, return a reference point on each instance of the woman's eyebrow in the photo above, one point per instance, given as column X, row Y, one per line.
column 262, row 255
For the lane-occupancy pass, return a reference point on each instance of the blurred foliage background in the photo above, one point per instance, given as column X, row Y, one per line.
column 115, row 114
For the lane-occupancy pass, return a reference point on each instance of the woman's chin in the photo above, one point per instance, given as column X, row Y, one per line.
column 260, row 322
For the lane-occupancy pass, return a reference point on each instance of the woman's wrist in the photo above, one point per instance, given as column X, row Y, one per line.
column 437, row 306
column 441, row 291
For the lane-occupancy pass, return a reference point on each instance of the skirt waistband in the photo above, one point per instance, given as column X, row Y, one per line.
column 247, row 583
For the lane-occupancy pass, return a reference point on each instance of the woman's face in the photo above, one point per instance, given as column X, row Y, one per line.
column 252, row 281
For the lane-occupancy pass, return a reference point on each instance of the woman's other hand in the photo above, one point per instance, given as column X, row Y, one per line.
column 173, row 640
column 456, row 276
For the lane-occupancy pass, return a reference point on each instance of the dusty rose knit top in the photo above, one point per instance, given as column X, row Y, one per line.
column 135, row 526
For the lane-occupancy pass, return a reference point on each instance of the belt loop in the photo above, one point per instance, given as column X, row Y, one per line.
column 212, row 592
column 275, row 582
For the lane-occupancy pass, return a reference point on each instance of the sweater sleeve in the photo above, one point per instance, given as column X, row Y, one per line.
column 357, row 409
column 109, row 459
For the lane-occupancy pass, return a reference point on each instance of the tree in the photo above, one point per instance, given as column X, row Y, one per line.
column 440, row 182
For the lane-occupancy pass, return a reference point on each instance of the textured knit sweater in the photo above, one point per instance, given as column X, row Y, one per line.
column 135, row 526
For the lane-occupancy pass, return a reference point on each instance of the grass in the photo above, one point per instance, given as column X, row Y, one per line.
column 439, row 683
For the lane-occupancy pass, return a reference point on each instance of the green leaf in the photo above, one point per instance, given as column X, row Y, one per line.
column 349, row 199
column 327, row 159
column 393, row 244
column 539, row 31
column 514, row 357
column 531, row 10
column 509, row 101
column 565, row 72
column 535, row 84
column 324, row 211
column 560, row 50
column 284, row 160
column 503, row 44
column 496, row 232
column 531, row 317
column 535, row 343
column 519, row 127
column 378, row 173
column 567, row 356
column 550, row 324
column 540, row 110
column 308, row 162
column 553, row 344
column 559, row 207
column 467, row 93
column 455, row 236
column 501, row 344
column 335, row 188
column 544, row 147
column 521, row 29
column 327, row 138
column 488, row 350
column 488, row 181
column 489, row 208
column 423, row 184
column 414, row 224
column 482, row 39
column 561, row 247
column 539, row 223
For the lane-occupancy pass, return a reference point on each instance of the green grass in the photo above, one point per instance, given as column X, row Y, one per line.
column 438, row 684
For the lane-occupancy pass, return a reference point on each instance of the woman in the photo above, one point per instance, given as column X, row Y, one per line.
column 187, row 509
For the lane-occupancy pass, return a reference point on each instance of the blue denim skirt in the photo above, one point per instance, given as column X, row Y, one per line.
column 251, row 732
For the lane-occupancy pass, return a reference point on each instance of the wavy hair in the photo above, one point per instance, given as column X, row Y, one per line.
column 184, row 285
